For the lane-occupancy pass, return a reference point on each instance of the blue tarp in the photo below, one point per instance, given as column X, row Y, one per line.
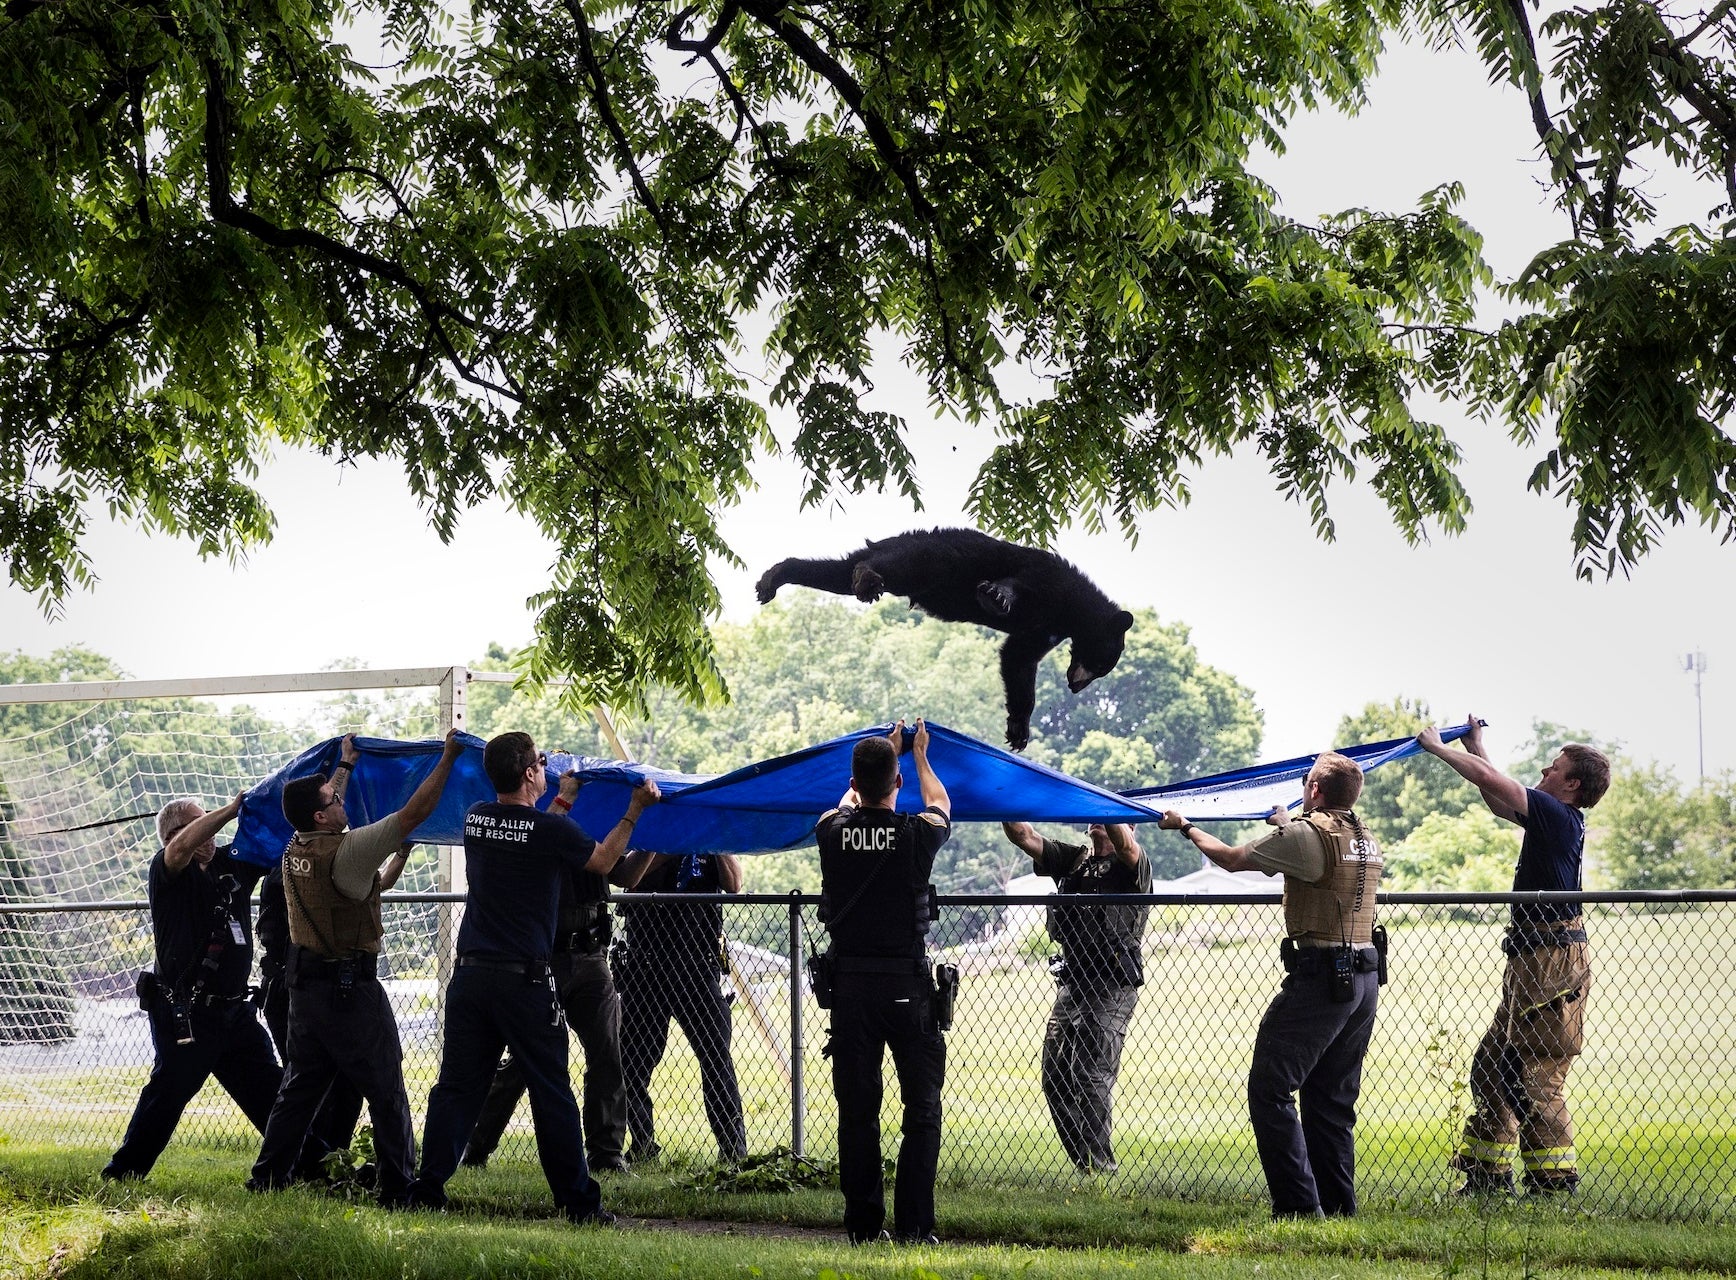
column 383, row 779
column 1249, row 794
column 772, row 804
column 761, row 807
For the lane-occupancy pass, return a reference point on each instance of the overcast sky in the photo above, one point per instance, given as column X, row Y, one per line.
column 1492, row 621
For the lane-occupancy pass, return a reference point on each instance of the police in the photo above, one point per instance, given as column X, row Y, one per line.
column 334, row 1123
column 1314, row 1036
column 504, row 993
column 1100, row 972
column 202, row 1023
column 670, row 966
column 1519, row 1071
column 876, row 903
column 593, row 1011
column 340, row 1021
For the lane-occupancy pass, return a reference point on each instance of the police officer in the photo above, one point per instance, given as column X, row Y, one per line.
column 1520, row 1068
column 593, row 1012
column 334, row 1123
column 875, row 902
column 340, row 1021
column 202, row 1023
column 1315, row 1033
column 503, row 993
column 670, row 967
column 1100, row 972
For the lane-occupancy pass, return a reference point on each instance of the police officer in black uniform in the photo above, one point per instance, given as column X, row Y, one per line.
column 593, row 1011
column 670, row 966
column 340, row 1021
column 1098, row 977
column 503, row 994
column 202, row 1023
column 876, row 903
column 1311, row 1042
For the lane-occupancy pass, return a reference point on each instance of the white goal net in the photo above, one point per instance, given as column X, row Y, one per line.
column 81, row 782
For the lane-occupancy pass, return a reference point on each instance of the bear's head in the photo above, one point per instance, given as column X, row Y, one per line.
column 1097, row 648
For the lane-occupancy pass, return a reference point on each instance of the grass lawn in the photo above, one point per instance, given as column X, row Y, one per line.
column 191, row 1220
column 1654, row 1097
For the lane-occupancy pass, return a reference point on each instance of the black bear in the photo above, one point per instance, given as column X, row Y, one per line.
column 960, row 575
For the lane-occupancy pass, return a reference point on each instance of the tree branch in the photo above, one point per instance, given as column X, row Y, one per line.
column 673, row 38
column 605, row 109
column 390, row 187
column 418, row 371
column 948, row 338
column 1539, row 110
column 1611, row 186
column 1540, row 120
column 136, row 100
column 226, row 211
column 1407, row 329
column 104, row 331
column 1341, row 234
column 1715, row 111
column 772, row 14
column 1711, row 19
column 707, row 50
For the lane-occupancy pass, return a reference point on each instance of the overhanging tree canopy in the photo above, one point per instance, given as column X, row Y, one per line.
column 518, row 259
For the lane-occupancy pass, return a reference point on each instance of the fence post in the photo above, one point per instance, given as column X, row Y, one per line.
column 451, row 876
column 798, row 1100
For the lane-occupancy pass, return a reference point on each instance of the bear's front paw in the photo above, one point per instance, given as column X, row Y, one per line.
column 769, row 582
column 1018, row 734
column 866, row 585
column 995, row 598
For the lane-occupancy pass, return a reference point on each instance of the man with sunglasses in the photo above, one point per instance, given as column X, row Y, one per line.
column 503, row 993
column 202, row 1023
column 341, row 1025
column 334, row 1125
column 1306, row 1073
column 1098, row 976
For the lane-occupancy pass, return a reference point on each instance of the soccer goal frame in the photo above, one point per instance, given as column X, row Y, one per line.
column 451, row 681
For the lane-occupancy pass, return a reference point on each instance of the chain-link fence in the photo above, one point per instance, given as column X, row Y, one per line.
column 1653, row 1096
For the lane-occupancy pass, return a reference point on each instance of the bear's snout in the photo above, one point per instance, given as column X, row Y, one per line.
column 1078, row 677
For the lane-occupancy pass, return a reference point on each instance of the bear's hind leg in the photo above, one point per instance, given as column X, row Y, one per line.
column 998, row 599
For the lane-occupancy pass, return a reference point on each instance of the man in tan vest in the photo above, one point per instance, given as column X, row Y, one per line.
column 1314, row 1035
column 340, row 1022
